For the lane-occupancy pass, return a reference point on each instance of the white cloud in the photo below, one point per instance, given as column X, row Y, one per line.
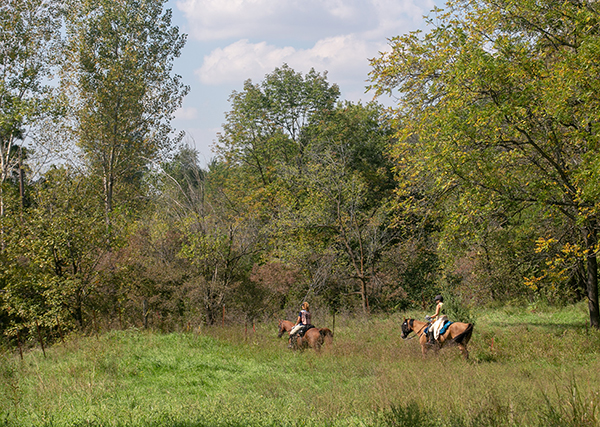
column 298, row 20
column 344, row 57
column 240, row 61
column 240, row 39
column 344, row 34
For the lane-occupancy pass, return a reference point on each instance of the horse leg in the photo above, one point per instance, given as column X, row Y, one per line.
column 464, row 351
column 320, row 341
column 293, row 342
column 426, row 347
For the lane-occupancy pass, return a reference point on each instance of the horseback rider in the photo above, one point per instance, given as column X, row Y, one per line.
column 302, row 321
column 437, row 320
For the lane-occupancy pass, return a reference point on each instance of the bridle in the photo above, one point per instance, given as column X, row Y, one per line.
column 417, row 333
column 281, row 329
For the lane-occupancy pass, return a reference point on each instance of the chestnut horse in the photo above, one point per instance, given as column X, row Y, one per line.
column 458, row 333
column 284, row 326
column 314, row 338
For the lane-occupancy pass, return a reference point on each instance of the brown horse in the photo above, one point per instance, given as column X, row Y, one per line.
column 458, row 333
column 284, row 326
column 314, row 338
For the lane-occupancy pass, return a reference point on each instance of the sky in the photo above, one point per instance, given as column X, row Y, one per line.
column 231, row 41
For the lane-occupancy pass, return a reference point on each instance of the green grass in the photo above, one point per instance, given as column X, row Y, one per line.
column 528, row 367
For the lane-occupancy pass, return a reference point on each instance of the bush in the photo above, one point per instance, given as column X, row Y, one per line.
column 456, row 310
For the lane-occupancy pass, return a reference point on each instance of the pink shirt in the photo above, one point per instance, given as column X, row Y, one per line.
column 304, row 317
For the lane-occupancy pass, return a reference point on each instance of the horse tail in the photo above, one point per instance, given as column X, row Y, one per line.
column 465, row 335
column 327, row 335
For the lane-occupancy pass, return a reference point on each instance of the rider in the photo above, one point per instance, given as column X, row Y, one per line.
column 437, row 318
column 302, row 321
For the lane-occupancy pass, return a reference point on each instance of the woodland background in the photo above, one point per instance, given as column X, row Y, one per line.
column 481, row 182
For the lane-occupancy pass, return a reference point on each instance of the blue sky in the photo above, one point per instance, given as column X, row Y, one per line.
column 230, row 41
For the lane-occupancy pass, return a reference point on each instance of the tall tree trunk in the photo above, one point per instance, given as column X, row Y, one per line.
column 1, row 216
column 21, row 181
column 364, row 295
column 78, row 309
column 108, row 196
column 591, row 239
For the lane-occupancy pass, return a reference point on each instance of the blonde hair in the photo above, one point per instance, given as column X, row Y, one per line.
column 304, row 305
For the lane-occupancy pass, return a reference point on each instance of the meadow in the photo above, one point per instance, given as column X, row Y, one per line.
column 529, row 366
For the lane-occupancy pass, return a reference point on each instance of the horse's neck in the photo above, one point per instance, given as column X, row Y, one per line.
column 418, row 326
column 287, row 325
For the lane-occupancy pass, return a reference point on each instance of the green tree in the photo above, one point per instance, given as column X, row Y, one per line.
column 263, row 129
column 117, row 72
column 50, row 272
column 316, row 174
column 498, row 108
column 220, row 247
column 337, row 212
column 28, row 33
column 216, row 238
column 263, row 135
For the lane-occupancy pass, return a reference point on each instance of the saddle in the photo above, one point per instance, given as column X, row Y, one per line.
column 303, row 330
column 442, row 328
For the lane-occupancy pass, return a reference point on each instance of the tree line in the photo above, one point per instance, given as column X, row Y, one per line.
column 481, row 182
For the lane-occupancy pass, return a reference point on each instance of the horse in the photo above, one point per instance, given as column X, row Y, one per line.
column 284, row 326
column 458, row 333
column 313, row 337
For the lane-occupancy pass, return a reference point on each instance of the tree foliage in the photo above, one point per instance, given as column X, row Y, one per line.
column 338, row 205
column 118, row 73
column 481, row 183
column 28, row 36
column 502, row 102
column 50, row 270
column 264, row 127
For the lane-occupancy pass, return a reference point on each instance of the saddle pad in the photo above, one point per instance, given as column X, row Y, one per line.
column 444, row 328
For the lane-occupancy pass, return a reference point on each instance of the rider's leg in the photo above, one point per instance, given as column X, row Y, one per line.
column 430, row 337
column 293, row 340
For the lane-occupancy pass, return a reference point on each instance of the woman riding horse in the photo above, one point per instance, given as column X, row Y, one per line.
column 438, row 320
column 314, row 337
column 457, row 333
column 302, row 323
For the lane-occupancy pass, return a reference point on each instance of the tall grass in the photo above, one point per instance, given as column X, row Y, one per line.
column 528, row 368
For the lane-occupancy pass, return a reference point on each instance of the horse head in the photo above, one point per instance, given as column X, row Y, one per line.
column 284, row 326
column 407, row 328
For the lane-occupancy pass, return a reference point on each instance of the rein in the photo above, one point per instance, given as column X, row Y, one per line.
column 417, row 334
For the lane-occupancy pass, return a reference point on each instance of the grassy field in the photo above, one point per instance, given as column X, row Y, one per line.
column 528, row 367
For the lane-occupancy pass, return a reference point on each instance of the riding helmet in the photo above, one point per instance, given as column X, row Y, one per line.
column 439, row 298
